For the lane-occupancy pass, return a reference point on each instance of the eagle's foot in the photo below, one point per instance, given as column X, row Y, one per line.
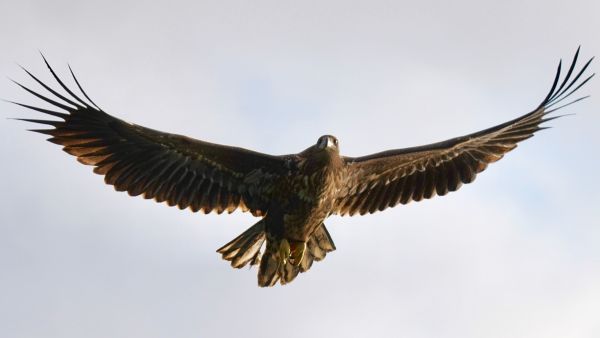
column 284, row 251
column 297, row 252
column 293, row 252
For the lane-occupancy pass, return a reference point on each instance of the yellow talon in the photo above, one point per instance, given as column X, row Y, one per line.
column 294, row 252
column 297, row 253
column 284, row 251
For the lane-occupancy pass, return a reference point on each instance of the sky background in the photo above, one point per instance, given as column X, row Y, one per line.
column 516, row 254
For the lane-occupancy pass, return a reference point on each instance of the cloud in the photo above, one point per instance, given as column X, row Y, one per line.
column 514, row 254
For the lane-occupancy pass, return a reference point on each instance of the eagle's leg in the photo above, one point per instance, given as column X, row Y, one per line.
column 293, row 252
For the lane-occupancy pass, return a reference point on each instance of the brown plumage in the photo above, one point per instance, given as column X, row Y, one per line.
column 292, row 194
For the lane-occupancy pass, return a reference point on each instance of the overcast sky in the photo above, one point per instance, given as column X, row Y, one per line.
column 516, row 254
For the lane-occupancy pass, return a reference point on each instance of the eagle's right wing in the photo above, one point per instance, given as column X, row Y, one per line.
column 378, row 181
column 168, row 168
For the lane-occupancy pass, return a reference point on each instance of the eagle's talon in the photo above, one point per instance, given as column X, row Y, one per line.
column 284, row 251
column 297, row 253
column 293, row 253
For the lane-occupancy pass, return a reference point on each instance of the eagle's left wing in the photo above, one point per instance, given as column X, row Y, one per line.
column 383, row 180
column 170, row 168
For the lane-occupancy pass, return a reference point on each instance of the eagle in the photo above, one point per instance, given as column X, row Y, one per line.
column 292, row 195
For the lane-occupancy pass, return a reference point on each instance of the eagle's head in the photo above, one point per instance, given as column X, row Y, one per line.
column 328, row 142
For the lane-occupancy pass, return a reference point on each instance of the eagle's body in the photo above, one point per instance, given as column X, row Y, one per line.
column 311, row 187
column 292, row 194
column 303, row 196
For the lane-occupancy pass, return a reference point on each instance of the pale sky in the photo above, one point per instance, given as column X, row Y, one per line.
column 515, row 254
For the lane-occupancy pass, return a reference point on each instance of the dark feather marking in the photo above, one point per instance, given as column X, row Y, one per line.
column 184, row 193
column 390, row 195
column 115, row 172
column 177, row 177
column 146, row 184
column 161, row 182
column 366, row 199
column 208, row 197
column 151, row 163
column 249, row 248
column 452, row 176
column 121, row 166
column 42, row 110
column 306, row 262
column 81, row 89
column 387, row 195
column 569, row 72
column 374, row 198
column 86, row 143
column 234, row 202
column 62, row 84
column 429, row 182
column 355, row 203
column 201, row 193
column 124, row 178
column 560, row 93
column 409, row 188
column 42, row 97
column 397, row 192
column 567, row 104
column 133, row 173
column 466, row 165
column 55, row 93
column 361, row 201
column 102, row 169
column 551, row 92
column 573, row 91
column 224, row 200
column 55, row 124
column 78, row 151
column 441, row 179
column 216, row 198
column 51, row 132
column 419, row 186
column 196, row 195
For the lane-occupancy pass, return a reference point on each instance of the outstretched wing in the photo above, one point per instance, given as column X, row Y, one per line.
column 383, row 180
column 168, row 168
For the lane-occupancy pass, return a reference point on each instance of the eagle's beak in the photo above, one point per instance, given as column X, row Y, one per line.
column 326, row 142
column 330, row 143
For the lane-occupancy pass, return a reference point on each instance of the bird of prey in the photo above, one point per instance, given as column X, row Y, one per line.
column 291, row 194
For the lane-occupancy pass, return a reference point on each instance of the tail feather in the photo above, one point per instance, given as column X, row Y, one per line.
column 245, row 248
column 269, row 269
column 318, row 245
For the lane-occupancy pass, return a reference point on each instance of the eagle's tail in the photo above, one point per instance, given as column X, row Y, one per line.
column 246, row 247
column 271, row 270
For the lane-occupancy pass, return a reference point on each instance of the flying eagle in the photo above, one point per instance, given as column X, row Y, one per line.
column 292, row 194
